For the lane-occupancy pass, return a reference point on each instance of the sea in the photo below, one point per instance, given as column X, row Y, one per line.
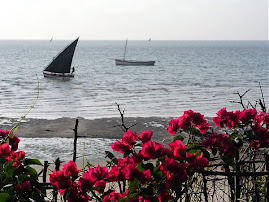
column 204, row 76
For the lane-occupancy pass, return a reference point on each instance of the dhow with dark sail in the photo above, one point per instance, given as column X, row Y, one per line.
column 60, row 66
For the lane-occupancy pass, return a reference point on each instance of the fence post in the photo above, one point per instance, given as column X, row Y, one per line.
column 237, row 178
column 267, row 183
column 57, row 163
column 46, row 165
column 205, row 187
column 230, row 182
column 75, row 141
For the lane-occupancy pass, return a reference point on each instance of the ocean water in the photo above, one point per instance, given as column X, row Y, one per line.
column 199, row 75
column 48, row 149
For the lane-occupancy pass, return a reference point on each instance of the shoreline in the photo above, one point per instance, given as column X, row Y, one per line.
column 91, row 128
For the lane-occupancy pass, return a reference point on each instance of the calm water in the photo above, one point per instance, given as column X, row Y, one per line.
column 198, row 75
column 48, row 149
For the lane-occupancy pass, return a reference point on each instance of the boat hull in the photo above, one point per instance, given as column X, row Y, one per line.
column 134, row 63
column 57, row 75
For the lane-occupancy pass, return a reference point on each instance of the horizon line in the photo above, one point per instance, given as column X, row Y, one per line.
column 136, row 39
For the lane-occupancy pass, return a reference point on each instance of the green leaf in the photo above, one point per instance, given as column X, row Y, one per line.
column 127, row 153
column 22, row 178
column 140, row 167
column 39, row 186
column 194, row 148
column 32, row 171
column 133, row 185
column 4, row 197
column 194, row 131
column 133, row 195
column 147, row 191
column 148, row 166
column 32, row 162
column 228, row 160
column 206, row 153
column 9, row 172
column 8, row 165
column 11, row 135
column 36, row 196
column 238, row 142
column 178, row 137
column 214, row 151
column 234, row 135
column 124, row 199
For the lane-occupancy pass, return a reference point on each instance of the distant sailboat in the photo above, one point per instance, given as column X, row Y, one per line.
column 51, row 39
column 132, row 62
column 149, row 39
column 60, row 66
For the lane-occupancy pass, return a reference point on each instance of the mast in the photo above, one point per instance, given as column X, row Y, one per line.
column 125, row 49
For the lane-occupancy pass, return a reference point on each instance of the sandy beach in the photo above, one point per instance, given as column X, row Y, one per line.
column 97, row 128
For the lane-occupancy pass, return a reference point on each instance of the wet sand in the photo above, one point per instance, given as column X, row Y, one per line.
column 97, row 128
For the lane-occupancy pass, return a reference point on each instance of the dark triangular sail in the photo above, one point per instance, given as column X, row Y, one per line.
column 62, row 62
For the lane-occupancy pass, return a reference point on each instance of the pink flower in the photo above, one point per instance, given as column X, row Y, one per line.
column 145, row 136
column 184, row 122
column 227, row 148
column 189, row 118
column 150, row 199
column 85, row 183
column 14, row 142
column 24, row 186
column 4, row 133
column 100, row 186
column 255, row 144
column 113, row 196
column 116, row 174
column 175, row 172
column 248, row 115
column 129, row 138
column 222, row 142
column 197, row 163
column 173, row 127
column 131, row 172
column 5, row 150
column 178, row 149
column 59, row 179
column 96, row 174
column 263, row 137
column 152, row 150
column 197, row 118
column 70, row 169
column 164, row 196
column 230, row 119
column 120, row 147
column 204, row 127
column 214, row 141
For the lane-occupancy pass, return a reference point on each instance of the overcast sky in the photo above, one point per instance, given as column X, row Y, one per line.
column 135, row 19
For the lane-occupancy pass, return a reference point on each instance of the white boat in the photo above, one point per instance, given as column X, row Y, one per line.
column 134, row 62
column 124, row 62
column 60, row 66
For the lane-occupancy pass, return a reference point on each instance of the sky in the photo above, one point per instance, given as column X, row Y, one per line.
column 134, row 19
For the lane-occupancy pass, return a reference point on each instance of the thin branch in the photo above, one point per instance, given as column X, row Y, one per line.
column 262, row 103
column 241, row 98
column 122, row 125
